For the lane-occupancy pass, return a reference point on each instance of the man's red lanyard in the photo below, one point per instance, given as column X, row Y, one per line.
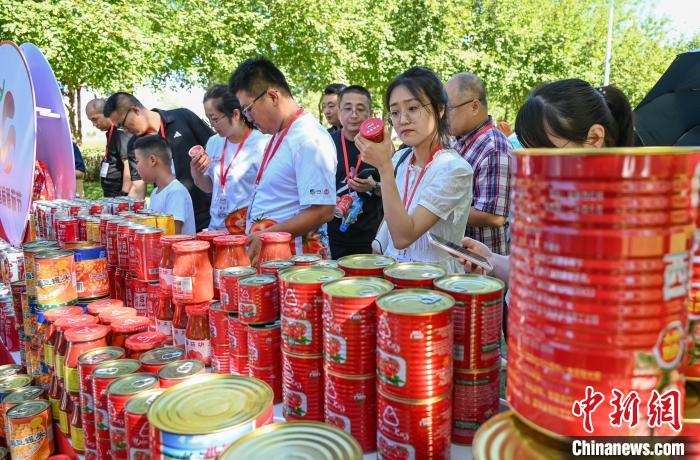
column 162, row 127
column 348, row 174
column 222, row 173
column 109, row 139
column 478, row 134
column 270, row 152
column 407, row 200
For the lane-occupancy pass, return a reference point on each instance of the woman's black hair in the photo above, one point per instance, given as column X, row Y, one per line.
column 568, row 108
column 225, row 102
column 423, row 83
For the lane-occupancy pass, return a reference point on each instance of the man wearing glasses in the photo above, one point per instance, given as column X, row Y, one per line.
column 180, row 127
column 295, row 185
column 488, row 152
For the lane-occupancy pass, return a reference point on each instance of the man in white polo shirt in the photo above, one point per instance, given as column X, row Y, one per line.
column 295, row 186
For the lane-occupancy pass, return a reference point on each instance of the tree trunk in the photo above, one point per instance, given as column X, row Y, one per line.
column 71, row 109
column 79, row 131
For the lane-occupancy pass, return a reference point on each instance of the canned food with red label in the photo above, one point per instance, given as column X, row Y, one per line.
column 303, row 387
column 12, row 260
column 414, row 429
column 258, row 299
column 475, row 400
column 147, row 254
column 139, row 296
column 220, row 360
column 120, row 277
column 136, row 423
column 264, row 342
column 237, row 336
column 102, row 376
column 131, row 246
column 272, row 376
column 351, row 405
column 406, row 275
column 365, row 264
column 349, row 324
column 228, row 281
column 239, row 364
column 67, row 229
column 112, row 230
column 414, row 343
column 273, row 267
column 178, row 371
column 153, row 360
column 218, row 325
column 123, row 244
column 304, row 260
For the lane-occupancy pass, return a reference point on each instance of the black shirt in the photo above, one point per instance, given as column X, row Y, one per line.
column 184, row 130
column 117, row 152
column 362, row 232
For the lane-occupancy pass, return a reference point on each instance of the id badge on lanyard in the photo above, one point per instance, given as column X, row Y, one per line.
column 103, row 169
column 221, row 205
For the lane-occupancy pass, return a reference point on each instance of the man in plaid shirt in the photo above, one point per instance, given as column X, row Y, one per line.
column 488, row 152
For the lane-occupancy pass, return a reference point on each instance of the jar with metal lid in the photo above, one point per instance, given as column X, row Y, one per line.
column 193, row 279
column 108, row 315
column 142, row 342
column 126, row 326
column 81, row 339
column 51, row 334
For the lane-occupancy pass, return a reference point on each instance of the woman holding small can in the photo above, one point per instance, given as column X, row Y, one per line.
column 426, row 188
column 228, row 166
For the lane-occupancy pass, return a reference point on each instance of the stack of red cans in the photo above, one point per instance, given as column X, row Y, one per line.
column 349, row 354
column 302, row 340
column 414, row 370
column 600, row 267
column 218, row 336
column 476, row 351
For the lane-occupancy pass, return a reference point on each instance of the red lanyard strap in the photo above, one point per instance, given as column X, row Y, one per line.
column 224, row 174
column 270, row 152
column 478, row 134
column 407, row 200
column 348, row 175
column 109, row 139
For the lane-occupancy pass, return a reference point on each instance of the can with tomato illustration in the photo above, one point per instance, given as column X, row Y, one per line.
column 272, row 376
column 228, row 280
column 407, row 275
column 304, row 260
column 258, row 299
column 351, row 405
column 350, row 324
column 414, row 343
column 264, row 342
column 118, row 393
column 178, row 371
column 153, row 360
column 220, row 359
column 218, row 325
column 413, row 428
column 478, row 319
column 302, row 387
column 365, row 264
column 136, row 424
column 123, row 244
column 302, row 307
column 237, row 336
column 475, row 400
column 239, row 365
column 273, row 267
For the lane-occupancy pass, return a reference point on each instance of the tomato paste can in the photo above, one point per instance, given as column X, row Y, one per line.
column 67, row 229
column 123, row 244
column 102, row 376
column 137, row 204
column 272, row 376
column 273, row 267
column 228, row 280
column 365, row 264
column 111, row 241
column 136, row 423
column 413, row 428
column 96, row 209
column 55, row 279
column 237, row 335
column 302, row 307
column 239, row 365
column 477, row 320
column 186, row 422
column 414, row 343
column 407, row 275
column 304, row 260
column 30, row 430
column 112, row 276
column 131, row 246
column 118, row 393
column 178, row 371
column 475, row 400
column 129, row 290
column 350, row 324
column 147, row 253
column 258, row 299
column 139, row 296
column 218, row 325
column 154, row 360
column 91, row 272
column 351, row 405
column 220, row 359
column 264, row 342
column 302, row 387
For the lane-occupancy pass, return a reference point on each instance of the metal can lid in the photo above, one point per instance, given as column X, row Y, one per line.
column 210, row 403
column 139, row 404
column 129, row 323
column 100, row 355
column 28, row 409
column 181, row 369
column 692, row 403
column 10, row 369
column 86, row 333
column 39, row 245
column 55, row 313
column 115, row 368
column 145, row 340
column 277, row 264
column 311, row 275
column 97, row 306
column 132, row 384
column 215, row 306
column 161, row 355
column 190, row 246
column 57, row 254
column 257, row 280
column 23, row 394
column 366, row 261
column 358, row 287
column 470, row 284
column 415, row 302
column 326, row 263
column 414, row 271
column 149, row 231
column 66, row 322
column 237, row 272
column 108, row 315
column 305, row 258
column 12, row 382
column 318, row 441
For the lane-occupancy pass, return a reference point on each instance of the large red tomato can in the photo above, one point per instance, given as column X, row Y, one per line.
column 237, row 336
column 258, row 299
column 414, row 343
column 475, row 400
column 264, row 344
column 218, row 325
column 407, row 275
column 365, row 264
column 228, row 286
column 302, row 387
column 351, row 405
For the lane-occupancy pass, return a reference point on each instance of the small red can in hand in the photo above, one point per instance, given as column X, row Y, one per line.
column 372, row 129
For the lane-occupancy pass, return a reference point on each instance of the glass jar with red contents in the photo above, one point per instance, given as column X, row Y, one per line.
column 179, row 324
column 229, row 251
column 197, row 343
column 65, row 412
column 164, row 316
column 80, row 340
column 275, row 246
column 142, row 342
column 77, row 439
column 50, row 336
column 55, row 396
column 62, row 325
column 193, row 278
column 126, row 326
column 208, row 236
column 108, row 315
column 167, row 259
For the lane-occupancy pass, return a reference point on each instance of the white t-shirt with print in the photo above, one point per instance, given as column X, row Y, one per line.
column 446, row 191
column 240, row 179
column 175, row 200
column 301, row 174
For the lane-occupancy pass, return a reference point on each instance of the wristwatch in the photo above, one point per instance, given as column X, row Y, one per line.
column 377, row 188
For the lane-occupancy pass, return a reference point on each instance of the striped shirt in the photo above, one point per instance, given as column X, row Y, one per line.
column 490, row 157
